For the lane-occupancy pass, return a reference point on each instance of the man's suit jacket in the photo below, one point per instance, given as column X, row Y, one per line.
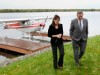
column 75, row 31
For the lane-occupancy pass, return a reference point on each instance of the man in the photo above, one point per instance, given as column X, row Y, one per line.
column 79, row 35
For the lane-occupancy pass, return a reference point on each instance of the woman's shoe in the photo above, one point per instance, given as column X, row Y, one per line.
column 61, row 68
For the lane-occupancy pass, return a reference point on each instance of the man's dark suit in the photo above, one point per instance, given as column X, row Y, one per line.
column 79, row 38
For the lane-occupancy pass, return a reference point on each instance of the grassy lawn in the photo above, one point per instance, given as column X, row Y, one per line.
column 42, row 64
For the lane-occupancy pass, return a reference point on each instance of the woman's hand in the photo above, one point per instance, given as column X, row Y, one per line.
column 59, row 36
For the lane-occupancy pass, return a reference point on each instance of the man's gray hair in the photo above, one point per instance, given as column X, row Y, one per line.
column 79, row 12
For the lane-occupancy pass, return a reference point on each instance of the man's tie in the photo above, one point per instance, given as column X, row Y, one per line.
column 80, row 25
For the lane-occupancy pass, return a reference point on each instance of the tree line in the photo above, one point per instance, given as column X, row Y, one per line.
column 45, row 10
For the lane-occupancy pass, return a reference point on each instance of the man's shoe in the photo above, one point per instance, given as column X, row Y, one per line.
column 77, row 64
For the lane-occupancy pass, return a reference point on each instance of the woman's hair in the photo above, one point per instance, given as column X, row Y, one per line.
column 55, row 18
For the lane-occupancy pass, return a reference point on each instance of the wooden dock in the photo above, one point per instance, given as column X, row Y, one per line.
column 22, row 46
column 25, row 46
column 65, row 37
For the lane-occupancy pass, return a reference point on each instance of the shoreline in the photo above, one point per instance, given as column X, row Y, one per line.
column 46, row 10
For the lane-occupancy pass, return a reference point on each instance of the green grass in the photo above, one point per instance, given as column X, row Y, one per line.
column 42, row 64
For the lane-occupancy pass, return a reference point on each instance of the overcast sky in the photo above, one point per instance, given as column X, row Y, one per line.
column 49, row 4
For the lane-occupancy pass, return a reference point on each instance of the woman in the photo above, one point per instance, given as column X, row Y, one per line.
column 55, row 32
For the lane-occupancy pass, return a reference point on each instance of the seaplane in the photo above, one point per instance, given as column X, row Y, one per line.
column 25, row 25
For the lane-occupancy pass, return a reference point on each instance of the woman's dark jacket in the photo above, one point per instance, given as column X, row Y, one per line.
column 53, row 31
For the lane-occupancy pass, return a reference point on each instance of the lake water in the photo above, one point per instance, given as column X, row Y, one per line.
column 66, row 17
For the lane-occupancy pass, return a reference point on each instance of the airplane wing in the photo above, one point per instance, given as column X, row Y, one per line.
column 23, row 19
column 12, row 20
column 41, row 18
